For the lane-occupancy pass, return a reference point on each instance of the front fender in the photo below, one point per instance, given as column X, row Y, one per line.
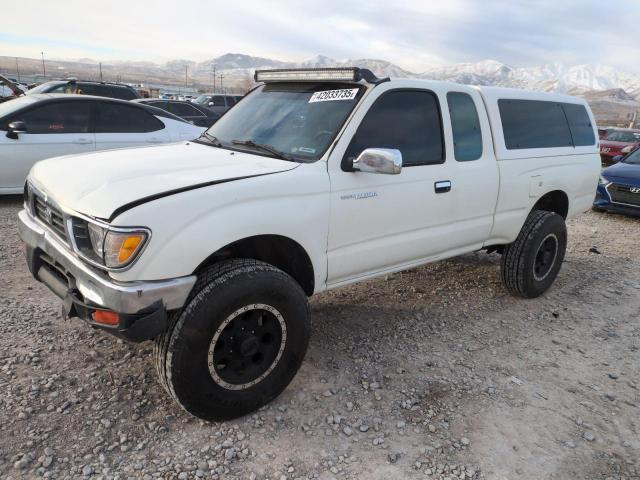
column 188, row 227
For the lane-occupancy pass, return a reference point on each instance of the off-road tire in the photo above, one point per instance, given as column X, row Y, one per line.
column 519, row 257
column 181, row 352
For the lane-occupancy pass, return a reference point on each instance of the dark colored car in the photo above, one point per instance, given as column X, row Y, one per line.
column 216, row 102
column 619, row 186
column 87, row 87
column 193, row 113
column 617, row 141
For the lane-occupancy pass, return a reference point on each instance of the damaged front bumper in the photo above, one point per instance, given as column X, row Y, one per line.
column 141, row 306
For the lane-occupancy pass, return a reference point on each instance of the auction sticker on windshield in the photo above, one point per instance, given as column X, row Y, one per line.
column 330, row 95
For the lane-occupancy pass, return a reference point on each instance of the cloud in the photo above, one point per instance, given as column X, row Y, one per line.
column 413, row 34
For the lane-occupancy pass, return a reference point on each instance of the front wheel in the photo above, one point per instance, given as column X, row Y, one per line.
column 238, row 342
column 532, row 262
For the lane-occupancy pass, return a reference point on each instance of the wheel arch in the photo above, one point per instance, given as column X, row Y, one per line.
column 277, row 250
column 555, row 201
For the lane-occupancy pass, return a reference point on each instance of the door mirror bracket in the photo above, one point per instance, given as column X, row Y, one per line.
column 387, row 161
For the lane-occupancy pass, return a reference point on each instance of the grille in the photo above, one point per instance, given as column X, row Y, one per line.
column 623, row 194
column 50, row 215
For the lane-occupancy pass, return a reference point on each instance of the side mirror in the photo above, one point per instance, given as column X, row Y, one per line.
column 617, row 158
column 14, row 128
column 378, row 160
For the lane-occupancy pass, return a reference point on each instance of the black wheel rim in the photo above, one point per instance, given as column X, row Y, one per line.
column 545, row 257
column 247, row 346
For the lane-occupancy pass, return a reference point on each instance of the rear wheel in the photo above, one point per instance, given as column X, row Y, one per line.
column 531, row 263
column 238, row 342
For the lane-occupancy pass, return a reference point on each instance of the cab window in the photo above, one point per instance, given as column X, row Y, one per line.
column 406, row 120
column 465, row 125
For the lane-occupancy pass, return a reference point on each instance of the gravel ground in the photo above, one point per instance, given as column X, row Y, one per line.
column 428, row 374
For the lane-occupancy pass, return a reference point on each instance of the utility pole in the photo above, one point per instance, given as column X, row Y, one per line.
column 186, row 73
column 17, row 69
column 44, row 72
column 100, row 70
column 221, row 85
column 214, row 77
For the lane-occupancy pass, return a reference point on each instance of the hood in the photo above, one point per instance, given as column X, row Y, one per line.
column 101, row 183
column 623, row 172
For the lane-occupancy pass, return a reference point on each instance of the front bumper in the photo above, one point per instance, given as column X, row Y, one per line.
column 603, row 202
column 141, row 305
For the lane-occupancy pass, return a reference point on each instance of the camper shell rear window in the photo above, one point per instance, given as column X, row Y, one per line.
column 544, row 124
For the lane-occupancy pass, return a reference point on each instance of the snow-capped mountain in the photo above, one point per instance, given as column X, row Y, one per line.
column 234, row 61
column 237, row 69
column 381, row 68
column 555, row 77
column 550, row 77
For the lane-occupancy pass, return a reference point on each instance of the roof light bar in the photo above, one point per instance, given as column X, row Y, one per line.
column 352, row 74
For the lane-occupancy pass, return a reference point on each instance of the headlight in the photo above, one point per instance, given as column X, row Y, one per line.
column 105, row 246
column 603, row 181
column 96, row 235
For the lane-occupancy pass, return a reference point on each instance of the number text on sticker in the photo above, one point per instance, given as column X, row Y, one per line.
column 331, row 95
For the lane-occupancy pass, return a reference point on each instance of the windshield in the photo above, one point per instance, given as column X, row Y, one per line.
column 633, row 158
column 203, row 99
column 298, row 119
column 623, row 136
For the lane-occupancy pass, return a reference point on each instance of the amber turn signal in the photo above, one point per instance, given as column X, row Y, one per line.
column 121, row 247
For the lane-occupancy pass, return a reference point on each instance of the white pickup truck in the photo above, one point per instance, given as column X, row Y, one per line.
column 315, row 180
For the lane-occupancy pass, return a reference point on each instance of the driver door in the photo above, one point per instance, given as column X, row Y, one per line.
column 380, row 221
column 438, row 206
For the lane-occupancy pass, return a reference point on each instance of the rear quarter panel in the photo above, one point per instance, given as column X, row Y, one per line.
column 528, row 174
column 524, row 181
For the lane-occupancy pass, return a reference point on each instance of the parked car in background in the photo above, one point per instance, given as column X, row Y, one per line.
column 602, row 132
column 617, row 141
column 88, row 87
column 10, row 89
column 619, row 186
column 216, row 102
column 193, row 113
column 34, row 127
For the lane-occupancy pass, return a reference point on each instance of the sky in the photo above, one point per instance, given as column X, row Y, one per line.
column 412, row 34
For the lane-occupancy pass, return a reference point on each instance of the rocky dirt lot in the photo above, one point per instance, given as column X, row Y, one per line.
column 428, row 374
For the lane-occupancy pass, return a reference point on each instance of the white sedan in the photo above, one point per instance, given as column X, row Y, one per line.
column 36, row 127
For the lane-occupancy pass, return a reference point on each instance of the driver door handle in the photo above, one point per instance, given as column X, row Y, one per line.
column 82, row 141
column 442, row 186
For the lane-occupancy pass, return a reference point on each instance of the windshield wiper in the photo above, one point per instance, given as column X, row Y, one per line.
column 264, row 147
column 211, row 139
